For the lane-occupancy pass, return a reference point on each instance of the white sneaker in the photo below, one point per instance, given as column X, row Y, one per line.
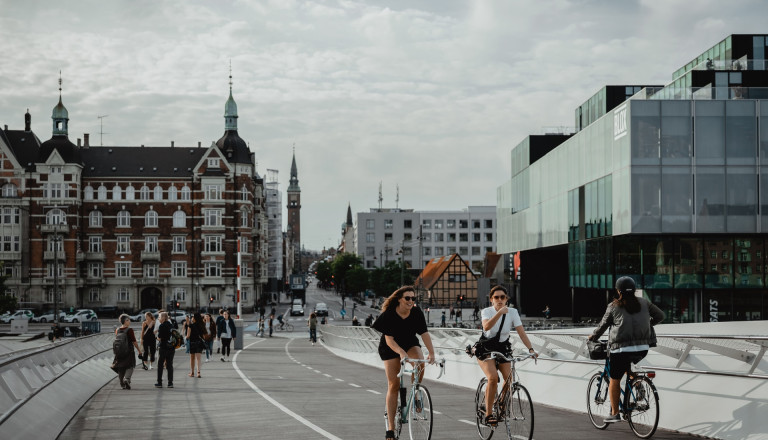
column 613, row 419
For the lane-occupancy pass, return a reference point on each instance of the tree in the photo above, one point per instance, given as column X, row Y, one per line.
column 343, row 263
column 386, row 280
column 356, row 279
column 324, row 273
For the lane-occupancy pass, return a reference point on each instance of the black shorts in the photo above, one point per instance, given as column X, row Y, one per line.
column 620, row 362
column 386, row 353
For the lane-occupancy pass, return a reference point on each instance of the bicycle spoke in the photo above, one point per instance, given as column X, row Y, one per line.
column 518, row 414
column 644, row 407
column 484, row 430
column 598, row 404
column 420, row 414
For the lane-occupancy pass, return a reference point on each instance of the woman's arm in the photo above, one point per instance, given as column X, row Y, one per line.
column 657, row 315
column 604, row 323
column 428, row 342
column 489, row 323
column 524, row 338
column 390, row 340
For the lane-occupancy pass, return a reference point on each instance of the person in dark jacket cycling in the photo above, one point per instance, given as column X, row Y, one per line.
column 630, row 336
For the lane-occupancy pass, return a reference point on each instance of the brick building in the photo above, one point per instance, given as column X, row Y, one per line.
column 132, row 227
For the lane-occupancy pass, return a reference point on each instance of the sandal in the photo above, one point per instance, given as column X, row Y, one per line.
column 191, row 374
column 491, row 420
column 390, row 435
column 198, row 375
column 143, row 365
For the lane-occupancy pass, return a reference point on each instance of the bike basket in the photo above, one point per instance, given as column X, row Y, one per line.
column 597, row 350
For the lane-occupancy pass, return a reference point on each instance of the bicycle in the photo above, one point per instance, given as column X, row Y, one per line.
column 513, row 403
column 415, row 408
column 639, row 403
column 286, row 326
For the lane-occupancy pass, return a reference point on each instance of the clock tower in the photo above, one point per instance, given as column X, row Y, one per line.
column 294, row 212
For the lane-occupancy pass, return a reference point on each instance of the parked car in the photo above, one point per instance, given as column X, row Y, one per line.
column 139, row 317
column 108, row 311
column 48, row 316
column 82, row 315
column 177, row 315
column 19, row 314
column 297, row 309
column 321, row 309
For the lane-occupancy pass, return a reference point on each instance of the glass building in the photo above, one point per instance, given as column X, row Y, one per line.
column 668, row 186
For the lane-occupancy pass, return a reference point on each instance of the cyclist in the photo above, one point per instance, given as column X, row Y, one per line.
column 491, row 318
column 400, row 321
column 280, row 320
column 630, row 337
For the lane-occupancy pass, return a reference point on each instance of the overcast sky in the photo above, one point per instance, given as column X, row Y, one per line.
column 427, row 95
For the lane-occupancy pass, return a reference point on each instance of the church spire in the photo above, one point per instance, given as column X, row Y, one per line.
column 230, row 108
column 349, row 215
column 60, row 116
column 294, row 182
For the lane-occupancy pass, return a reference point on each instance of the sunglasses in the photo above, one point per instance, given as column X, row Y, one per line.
column 409, row 298
column 500, row 297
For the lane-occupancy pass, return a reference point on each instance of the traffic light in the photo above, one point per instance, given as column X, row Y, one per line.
column 211, row 299
column 177, row 304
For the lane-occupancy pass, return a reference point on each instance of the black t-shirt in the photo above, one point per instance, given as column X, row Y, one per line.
column 404, row 331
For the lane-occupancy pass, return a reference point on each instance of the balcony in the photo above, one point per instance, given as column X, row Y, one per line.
column 151, row 281
column 150, row 255
column 54, row 229
column 95, row 256
column 5, row 256
column 54, row 255
column 95, row 282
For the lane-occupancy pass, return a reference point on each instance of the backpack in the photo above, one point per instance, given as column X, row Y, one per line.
column 121, row 347
column 176, row 339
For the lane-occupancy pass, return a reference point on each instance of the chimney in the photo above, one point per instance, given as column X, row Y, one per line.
column 172, row 144
column 86, row 140
column 78, row 142
column 6, row 127
column 27, row 122
column 199, row 144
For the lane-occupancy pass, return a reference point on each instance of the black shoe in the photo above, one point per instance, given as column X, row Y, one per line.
column 159, row 385
column 170, row 385
column 122, row 384
column 127, row 385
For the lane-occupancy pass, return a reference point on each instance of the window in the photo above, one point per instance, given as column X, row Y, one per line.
column 475, row 251
column 407, row 224
column 464, row 237
column 55, row 245
column 11, row 216
column 244, row 245
column 244, row 295
column 186, row 194
column 450, row 224
column 94, row 294
column 158, row 192
column 94, row 244
column 244, row 272
column 427, row 251
column 476, row 224
column 370, row 251
column 179, row 269
column 11, row 244
column 130, row 193
column 439, row 236
column 388, row 223
column 95, row 270
column 213, row 269
column 489, row 236
column 213, row 162
column 457, row 278
column 102, row 192
column 213, row 243
column 172, row 193
column 370, row 237
column 55, row 217
column 212, row 217
column 475, row 236
column 463, row 250
column 179, row 244
column 213, row 192
column 123, row 270
column 427, row 223
column 463, row 224
column 180, row 294
column 122, row 294
column 94, row 219
column 370, row 223
column 88, row 193
column 438, row 224
column 117, row 192
column 9, row 190
column 51, row 269
column 244, row 219
column 150, row 270
column 407, row 236
column 52, row 190
column 123, row 219
column 150, row 219
column 244, row 194
column 123, row 244
column 438, row 251
column 451, row 250
column 452, row 237
column 427, row 237
column 150, row 244
column 489, row 223
column 144, row 193
column 388, row 237
column 179, row 219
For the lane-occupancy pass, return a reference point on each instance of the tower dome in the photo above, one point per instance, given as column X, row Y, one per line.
column 60, row 140
column 231, row 144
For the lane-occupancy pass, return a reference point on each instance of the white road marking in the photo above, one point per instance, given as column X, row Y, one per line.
column 437, row 412
column 467, row 422
column 354, row 385
column 327, row 375
column 277, row 404
column 316, row 371
column 376, row 392
column 338, row 380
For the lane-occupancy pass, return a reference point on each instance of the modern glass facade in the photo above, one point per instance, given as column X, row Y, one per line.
column 670, row 189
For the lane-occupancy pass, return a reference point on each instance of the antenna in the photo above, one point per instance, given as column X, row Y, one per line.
column 381, row 199
column 397, row 198
column 101, row 128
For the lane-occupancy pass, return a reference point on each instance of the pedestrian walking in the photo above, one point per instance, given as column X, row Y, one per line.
column 218, row 320
column 261, row 327
column 125, row 357
column 165, row 350
column 195, row 332
column 452, row 312
column 271, row 320
column 442, row 320
column 209, row 336
column 148, row 340
column 458, row 316
column 312, row 324
column 226, row 332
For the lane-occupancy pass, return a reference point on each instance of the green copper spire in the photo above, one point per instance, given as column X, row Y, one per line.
column 230, row 108
column 293, row 185
column 60, row 116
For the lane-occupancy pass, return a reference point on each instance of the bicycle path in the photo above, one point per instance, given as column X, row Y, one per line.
column 289, row 389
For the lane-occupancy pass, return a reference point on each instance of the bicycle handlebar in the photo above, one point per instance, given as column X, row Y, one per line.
column 440, row 362
column 519, row 358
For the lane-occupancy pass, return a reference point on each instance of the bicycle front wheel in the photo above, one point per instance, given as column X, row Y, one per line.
column 485, row 431
column 518, row 414
column 289, row 327
column 598, row 405
column 420, row 414
column 643, row 407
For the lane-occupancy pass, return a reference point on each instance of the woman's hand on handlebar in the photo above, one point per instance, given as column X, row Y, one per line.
column 431, row 358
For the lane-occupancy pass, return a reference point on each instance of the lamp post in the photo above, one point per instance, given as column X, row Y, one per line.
column 56, row 239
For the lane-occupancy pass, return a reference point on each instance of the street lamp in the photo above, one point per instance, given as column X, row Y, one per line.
column 56, row 240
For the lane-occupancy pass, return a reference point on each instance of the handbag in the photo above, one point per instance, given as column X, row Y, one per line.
column 485, row 345
column 597, row 350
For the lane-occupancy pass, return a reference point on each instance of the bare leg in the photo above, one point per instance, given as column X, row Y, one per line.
column 489, row 368
column 392, row 368
column 614, row 388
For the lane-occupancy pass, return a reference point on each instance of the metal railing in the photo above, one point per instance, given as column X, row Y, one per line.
column 743, row 356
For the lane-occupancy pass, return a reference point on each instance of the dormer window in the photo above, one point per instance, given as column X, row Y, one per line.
column 55, row 170
column 213, row 163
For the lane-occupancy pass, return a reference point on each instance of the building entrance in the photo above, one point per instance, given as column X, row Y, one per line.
column 151, row 298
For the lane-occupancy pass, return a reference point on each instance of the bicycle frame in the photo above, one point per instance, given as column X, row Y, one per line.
column 415, row 372
column 626, row 391
column 510, row 380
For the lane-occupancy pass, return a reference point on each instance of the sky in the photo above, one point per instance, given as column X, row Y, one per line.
column 425, row 96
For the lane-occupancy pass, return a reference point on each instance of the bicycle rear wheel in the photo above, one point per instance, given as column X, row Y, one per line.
column 644, row 407
column 518, row 414
column 420, row 414
column 485, row 431
column 598, row 404
column 288, row 327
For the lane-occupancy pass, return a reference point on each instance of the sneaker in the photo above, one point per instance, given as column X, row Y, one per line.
column 613, row 419
column 170, row 385
column 127, row 385
column 159, row 385
column 122, row 384
column 222, row 359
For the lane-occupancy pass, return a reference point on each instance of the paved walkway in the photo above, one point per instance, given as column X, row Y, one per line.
column 285, row 388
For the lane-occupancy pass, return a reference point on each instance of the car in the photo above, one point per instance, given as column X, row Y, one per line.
column 82, row 315
column 19, row 314
column 177, row 315
column 321, row 309
column 297, row 309
column 139, row 317
column 298, row 301
column 48, row 316
column 108, row 311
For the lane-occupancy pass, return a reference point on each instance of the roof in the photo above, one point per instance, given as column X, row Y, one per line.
column 23, row 144
column 234, row 148
column 140, row 161
column 435, row 269
column 491, row 260
column 69, row 152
